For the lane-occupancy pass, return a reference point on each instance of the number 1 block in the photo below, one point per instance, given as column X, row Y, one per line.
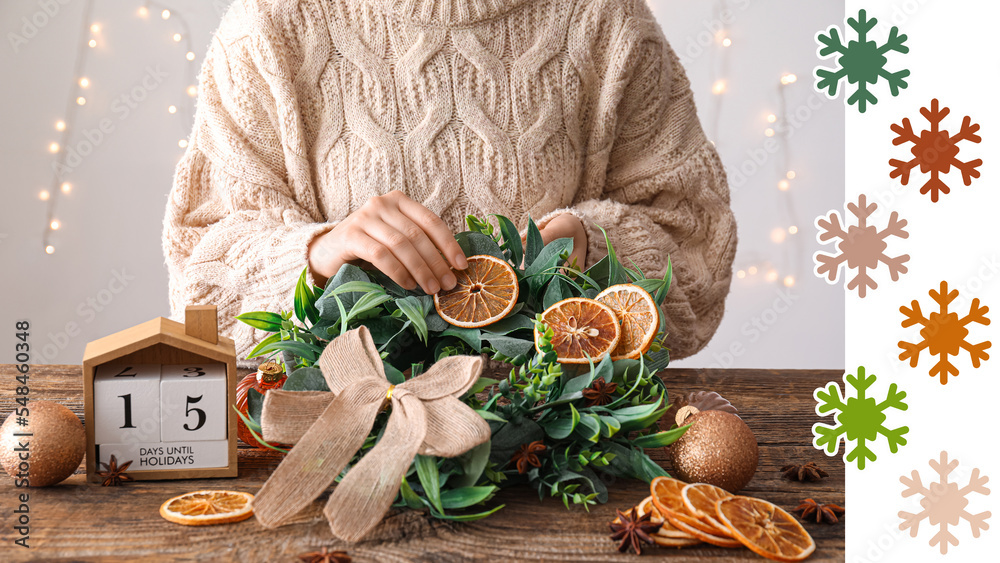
column 193, row 403
column 127, row 403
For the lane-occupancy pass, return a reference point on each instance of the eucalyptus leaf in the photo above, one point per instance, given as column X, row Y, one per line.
column 589, row 428
column 508, row 345
column 435, row 323
column 306, row 379
column 561, row 428
column 255, row 403
column 473, row 463
column 509, row 324
column 393, row 375
column 475, row 244
column 543, row 267
column 327, row 303
column 470, row 336
column 512, row 436
column 556, row 291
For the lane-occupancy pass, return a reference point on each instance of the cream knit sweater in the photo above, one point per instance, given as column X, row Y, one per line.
column 307, row 108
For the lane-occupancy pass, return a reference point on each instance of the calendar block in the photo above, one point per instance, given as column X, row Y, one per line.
column 193, row 402
column 171, row 455
column 127, row 403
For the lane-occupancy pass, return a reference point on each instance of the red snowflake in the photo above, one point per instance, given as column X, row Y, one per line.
column 935, row 151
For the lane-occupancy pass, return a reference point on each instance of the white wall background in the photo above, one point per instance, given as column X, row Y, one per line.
column 107, row 273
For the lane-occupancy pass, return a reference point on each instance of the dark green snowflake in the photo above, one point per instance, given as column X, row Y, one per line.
column 860, row 419
column 861, row 62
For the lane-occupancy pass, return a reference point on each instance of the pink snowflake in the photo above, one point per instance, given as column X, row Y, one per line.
column 862, row 247
column 944, row 503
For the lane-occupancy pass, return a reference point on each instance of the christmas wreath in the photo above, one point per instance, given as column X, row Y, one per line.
column 559, row 427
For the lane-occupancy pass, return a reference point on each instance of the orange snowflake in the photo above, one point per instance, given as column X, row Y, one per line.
column 944, row 334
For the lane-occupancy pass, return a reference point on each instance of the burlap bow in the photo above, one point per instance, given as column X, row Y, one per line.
column 329, row 428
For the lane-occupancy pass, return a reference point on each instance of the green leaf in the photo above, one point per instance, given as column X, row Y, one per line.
column 256, row 349
column 639, row 416
column 533, row 243
column 262, row 320
column 474, row 244
column 367, row 302
column 555, row 292
column 487, row 415
column 470, row 336
column 657, row 361
column 255, row 403
column 306, row 351
column 306, row 379
column 411, row 498
column 561, row 428
column 481, row 384
column 616, row 272
column 543, row 267
column 305, row 301
column 255, row 431
column 668, row 278
column 465, row 517
column 465, row 497
column 660, row 439
column 509, row 324
column 508, row 345
column 435, row 323
column 589, row 428
column 473, row 464
column 511, row 240
column 609, row 426
column 327, row 303
column 427, row 472
column 511, row 436
column 393, row 375
column 413, row 308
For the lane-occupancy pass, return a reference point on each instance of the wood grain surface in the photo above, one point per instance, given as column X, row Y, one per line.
column 81, row 521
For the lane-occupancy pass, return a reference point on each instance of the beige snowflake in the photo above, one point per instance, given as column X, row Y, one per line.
column 862, row 247
column 944, row 503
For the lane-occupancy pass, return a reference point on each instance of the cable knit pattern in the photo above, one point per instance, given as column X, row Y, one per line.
column 308, row 108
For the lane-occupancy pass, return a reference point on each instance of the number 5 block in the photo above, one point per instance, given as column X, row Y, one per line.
column 127, row 403
column 193, row 402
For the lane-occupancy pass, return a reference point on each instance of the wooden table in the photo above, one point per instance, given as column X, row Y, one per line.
column 88, row 522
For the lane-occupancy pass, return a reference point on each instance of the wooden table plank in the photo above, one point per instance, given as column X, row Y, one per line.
column 84, row 521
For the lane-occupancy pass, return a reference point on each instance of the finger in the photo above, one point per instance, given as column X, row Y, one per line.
column 432, row 257
column 405, row 253
column 437, row 230
column 375, row 253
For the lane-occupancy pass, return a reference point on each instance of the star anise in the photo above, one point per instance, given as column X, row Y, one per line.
column 115, row 475
column 807, row 472
column 825, row 513
column 600, row 393
column 526, row 455
column 325, row 556
column 631, row 530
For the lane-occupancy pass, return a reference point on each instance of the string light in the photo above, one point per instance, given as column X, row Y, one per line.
column 741, row 274
column 719, row 87
column 789, row 281
column 81, row 101
column 788, row 79
column 769, row 132
column 66, row 187
column 177, row 37
column 143, row 11
column 43, row 195
column 190, row 56
column 778, row 235
column 53, row 148
column 60, row 125
column 792, row 230
column 92, row 43
column 727, row 42
column 772, row 118
column 84, row 82
column 772, row 275
column 752, row 270
column 182, row 143
column 54, row 225
column 790, row 175
column 784, row 185
column 165, row 14
column 50, row 249
column 192, row 91
column 96, row 28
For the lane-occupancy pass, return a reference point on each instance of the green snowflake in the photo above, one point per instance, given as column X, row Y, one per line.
column 860, row 419
column 862, row 62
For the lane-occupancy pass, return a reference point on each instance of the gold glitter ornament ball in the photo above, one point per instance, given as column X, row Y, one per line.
column 55, row 442
column 718, row 449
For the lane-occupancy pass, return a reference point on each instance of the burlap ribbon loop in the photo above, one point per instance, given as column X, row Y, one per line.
column 329, row 428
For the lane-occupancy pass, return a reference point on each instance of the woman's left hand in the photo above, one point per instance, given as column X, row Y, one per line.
column 568, row 226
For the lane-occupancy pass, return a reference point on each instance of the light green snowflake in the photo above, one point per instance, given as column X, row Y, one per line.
column 861, row 62
column 860, row 419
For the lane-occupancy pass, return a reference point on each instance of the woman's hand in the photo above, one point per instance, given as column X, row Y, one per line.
column 568, row 226
column 397, row 235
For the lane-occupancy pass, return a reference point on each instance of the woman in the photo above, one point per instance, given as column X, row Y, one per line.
column 334, row 131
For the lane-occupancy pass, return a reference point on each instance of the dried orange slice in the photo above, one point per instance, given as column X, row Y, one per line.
column 667, row 535
column 700, row 499
column 582, row 327
column 668, row 499
column 765, row 528
column 204, row 508
column 639, row 317
column 486, row 292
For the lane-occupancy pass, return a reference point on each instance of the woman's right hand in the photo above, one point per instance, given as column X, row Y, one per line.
column 397, row 235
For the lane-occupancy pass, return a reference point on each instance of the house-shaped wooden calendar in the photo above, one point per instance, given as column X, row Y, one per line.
column 159, row 394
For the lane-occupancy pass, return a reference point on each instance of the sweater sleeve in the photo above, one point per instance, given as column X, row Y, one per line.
column 239, row 218
column 664, row 194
